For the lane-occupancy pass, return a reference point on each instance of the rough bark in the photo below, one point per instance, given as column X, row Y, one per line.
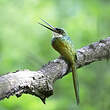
column 40, row 83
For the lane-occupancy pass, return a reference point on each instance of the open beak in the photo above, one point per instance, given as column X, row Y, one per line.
column 50, row 26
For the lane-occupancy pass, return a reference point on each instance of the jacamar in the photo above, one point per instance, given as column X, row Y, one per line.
column 62, row 43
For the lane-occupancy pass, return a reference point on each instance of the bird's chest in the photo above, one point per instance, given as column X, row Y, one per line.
column 59, row 44
column 63, row 46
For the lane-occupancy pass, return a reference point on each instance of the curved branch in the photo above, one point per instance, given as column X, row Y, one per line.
column 40, row 83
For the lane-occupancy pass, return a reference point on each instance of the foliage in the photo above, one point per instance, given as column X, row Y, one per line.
column 26, row 45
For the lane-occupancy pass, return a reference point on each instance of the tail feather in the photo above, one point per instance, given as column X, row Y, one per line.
column 75, row 83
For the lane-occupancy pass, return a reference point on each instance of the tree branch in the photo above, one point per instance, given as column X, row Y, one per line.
column 40, row 83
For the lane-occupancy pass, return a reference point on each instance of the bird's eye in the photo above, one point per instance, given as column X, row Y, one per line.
column 60, row 31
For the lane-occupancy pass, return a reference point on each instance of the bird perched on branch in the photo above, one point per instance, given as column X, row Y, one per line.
column 62, row 43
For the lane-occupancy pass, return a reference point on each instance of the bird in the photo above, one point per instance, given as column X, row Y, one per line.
column 62, row 43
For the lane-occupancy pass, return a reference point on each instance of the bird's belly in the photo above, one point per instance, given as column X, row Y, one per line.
column 64, row 49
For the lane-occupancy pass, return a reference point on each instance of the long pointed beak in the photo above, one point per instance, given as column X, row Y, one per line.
column 50, row 26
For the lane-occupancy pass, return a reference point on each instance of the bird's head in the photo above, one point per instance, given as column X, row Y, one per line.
column 57, row 32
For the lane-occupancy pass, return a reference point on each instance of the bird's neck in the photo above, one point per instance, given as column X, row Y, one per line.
column 57, row 35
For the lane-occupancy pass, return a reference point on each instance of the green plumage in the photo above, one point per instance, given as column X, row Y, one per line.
column 65, row 47
column 63, row 44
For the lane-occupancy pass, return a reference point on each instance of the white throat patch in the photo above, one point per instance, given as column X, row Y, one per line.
column 57, row 35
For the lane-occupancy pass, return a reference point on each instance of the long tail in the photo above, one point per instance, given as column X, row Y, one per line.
column 75, row 83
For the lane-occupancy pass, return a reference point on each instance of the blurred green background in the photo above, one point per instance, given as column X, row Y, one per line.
column 26, row 45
